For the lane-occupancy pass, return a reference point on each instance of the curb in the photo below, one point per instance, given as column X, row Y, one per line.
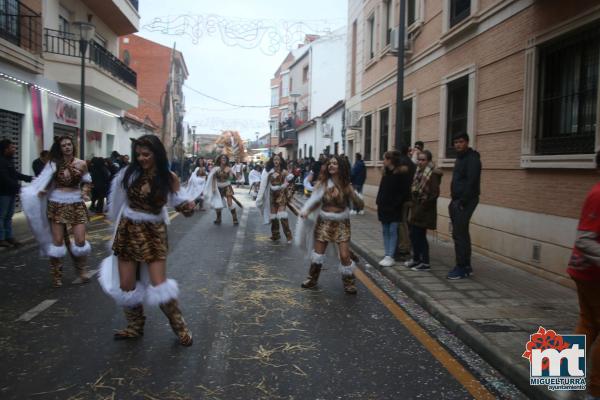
column 517, row 374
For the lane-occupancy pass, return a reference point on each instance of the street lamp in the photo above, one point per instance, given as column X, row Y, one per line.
column 295, row 96
column 86, row 33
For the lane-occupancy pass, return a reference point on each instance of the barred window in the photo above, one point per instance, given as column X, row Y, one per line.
column 568, row 94
column 384, row 131
column 459, row 10
column 407, row 121
column 458, row 112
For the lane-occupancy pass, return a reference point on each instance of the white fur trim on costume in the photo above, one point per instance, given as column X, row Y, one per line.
column 317, row 258
column 117, row 197
column 282, row 214
column 161, row 294
column 223, row 184
column 335, row 216
column 87, row 178
column 289, row 178
column 178, row 198
column 314, row 199
column 277, row 188
column 65, row 197
column 140, row 216
column 80, row 251
column 263, row 199
column 56, row 251
column 347, row 270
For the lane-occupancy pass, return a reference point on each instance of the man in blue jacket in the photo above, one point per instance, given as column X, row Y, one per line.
column 358, row 176
column 9, row 187
column 464, row 190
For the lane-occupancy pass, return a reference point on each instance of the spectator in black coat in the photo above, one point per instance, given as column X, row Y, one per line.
column 390, row 198
column 404, row 245
column 9, row 187
column 358, row 176
column 39, row 163
column 101, row 175
column 464, row 191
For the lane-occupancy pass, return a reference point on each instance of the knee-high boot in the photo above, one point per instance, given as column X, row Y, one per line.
column 135, row 323
column 218, row 220
column 314, row 271
column 285, row 224
column 274, row 229
column 80, row 254
column 173, row 313
column 348, row 278
column 56, row 254
column 234, row 216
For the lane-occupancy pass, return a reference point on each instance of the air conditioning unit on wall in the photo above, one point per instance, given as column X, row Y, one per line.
column 395, row 41
column 353, row 119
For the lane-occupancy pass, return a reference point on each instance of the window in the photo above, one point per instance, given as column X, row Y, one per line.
column 127, row 57
column 300, row 153
column 353, row 65
column 304, row 149
column 336, row 148
column 305, row 74
column 64, row 16
column 368, row 133
column 387, row 20
column 459, row 10
column 310, row 151
column 275, row 96
column 9, row 23
column 285, row 85
column 411, row 12
column 371, row 36
column 407, row 121
column 568, row 94
column 457, row 111
column 384, row 131
column 101, row 40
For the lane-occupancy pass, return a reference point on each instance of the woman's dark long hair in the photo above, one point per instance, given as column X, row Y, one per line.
column 163, row 179
column 56, row 154
column 271, row 164
column 394, row 157
column 343, row 171
column 218, row 160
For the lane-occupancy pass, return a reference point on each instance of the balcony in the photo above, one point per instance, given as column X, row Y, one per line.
column 287, row 136
column 21, row 29
column 121, row 16
column 107, row 77
column 67, row 44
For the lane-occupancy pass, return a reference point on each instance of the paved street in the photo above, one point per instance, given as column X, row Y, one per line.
column 257, row 334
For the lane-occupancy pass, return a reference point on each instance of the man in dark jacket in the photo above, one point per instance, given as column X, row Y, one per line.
column 358, row 176
column 39, row 163
column 464, row 190
column 404, row 246
column 9, row 187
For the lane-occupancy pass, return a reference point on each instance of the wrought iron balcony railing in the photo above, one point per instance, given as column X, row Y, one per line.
column 20, row 25
column 67, row 44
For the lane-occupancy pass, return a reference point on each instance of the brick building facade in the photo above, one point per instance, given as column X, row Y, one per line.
column 521, row 77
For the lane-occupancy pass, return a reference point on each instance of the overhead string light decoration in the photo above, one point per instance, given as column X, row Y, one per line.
column 270, row 36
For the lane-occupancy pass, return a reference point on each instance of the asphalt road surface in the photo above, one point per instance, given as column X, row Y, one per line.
column 257, row 334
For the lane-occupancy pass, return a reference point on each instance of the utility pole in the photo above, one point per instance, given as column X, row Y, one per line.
column 399, row 140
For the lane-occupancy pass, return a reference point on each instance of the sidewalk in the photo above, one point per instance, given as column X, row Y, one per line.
column 494, row 311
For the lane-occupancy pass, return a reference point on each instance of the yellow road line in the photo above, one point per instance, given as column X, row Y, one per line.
column 172, row 216
column 96, row 218
column 455, row 368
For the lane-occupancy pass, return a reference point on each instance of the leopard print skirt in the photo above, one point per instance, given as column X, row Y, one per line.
column 67, row 213
column 226, row 191
column 335, row 231
column 141, row 241
column 278, row 198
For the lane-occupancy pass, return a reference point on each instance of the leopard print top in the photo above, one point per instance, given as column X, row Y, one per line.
column 67, row 175
column 139, row 195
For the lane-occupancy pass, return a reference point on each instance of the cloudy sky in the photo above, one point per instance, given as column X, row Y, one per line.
column 232, row 49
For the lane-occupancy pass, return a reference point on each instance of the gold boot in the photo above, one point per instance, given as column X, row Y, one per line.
column 275, row 229
column 234, row 216
column 285, row 224
column 135, row 323
column 313, row 276
column 218, row 220
column 173, row 313
column 81, row 268
column 56, row 271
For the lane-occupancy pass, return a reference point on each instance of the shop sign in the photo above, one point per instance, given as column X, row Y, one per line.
column 66, row 112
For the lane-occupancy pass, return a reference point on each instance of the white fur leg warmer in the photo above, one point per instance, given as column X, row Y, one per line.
column 282, row 215
column 132, row 298
column 273, row 215
column 347, row 270
column 81, row 251
column 317, row 258
column 232, row 207
column 57, row 251
column 161, row 294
